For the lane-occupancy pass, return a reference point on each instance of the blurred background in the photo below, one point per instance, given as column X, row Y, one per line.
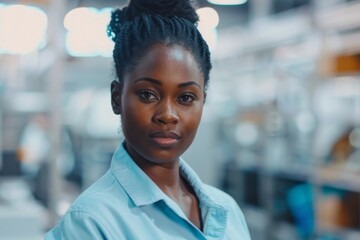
column 281, row 125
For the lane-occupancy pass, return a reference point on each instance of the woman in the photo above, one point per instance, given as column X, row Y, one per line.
column 162, row 64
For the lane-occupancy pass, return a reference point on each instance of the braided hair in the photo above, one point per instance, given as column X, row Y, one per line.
column 144, row 23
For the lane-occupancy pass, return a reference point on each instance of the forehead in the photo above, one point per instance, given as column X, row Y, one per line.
column 164, row 62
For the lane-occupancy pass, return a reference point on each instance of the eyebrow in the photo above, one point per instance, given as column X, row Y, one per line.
column 157, row 82
column 148, row 80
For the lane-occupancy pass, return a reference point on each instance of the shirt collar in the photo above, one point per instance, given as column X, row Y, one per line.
column 139, row 187
column 143, row 191
column 211, row 209
column 189, row 174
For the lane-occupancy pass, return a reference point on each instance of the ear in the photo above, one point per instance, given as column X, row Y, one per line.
column 205, row 94
column 116, row 97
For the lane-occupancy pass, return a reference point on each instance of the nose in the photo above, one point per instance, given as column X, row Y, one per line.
column 166, row 113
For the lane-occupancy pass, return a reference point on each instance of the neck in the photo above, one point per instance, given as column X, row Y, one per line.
column 167, row 178
column 165, row 175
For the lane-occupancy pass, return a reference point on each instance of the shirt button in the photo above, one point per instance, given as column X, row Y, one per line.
column 214, row 213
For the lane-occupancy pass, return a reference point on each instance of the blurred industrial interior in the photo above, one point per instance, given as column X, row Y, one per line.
column 280, row 130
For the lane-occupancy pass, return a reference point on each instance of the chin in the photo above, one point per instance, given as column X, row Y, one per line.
column 163, row 156
column 150, row 152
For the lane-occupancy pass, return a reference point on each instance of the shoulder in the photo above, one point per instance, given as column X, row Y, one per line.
column 78, row 225
column 96, row 195
column 106, row 199
column 90, row 213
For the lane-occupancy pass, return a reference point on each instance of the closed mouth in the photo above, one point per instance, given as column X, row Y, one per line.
column 165, row 138
column 165, row 134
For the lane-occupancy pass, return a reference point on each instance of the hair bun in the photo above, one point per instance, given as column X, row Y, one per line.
column 179, row 8
column 167, row 8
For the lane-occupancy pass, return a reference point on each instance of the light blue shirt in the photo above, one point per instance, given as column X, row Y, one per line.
column 126, row 204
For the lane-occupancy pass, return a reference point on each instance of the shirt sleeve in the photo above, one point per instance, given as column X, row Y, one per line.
column 78, row 225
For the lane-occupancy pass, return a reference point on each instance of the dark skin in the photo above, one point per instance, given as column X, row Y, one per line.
column 161, row 103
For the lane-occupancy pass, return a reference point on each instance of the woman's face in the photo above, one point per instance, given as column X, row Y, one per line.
column 161, row 104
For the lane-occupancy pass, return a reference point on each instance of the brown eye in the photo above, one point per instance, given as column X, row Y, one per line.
column 147, row 96
column 186, row 98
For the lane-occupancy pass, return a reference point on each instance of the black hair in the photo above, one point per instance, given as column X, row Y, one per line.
column 144, row 23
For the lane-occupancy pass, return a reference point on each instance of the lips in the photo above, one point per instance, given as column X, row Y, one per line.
column 165, row 138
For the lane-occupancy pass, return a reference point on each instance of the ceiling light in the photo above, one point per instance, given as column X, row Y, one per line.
column 227, row 2
column 22, row 29
column 208, row 17
column 208, row 20
column 86, row 32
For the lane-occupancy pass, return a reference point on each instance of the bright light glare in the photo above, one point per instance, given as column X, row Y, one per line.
column 86, row 34
column 227, row 2
column 210, row 36
column 22, row 29
column 208, row 20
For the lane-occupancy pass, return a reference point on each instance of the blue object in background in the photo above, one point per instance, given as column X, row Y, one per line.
column 300, row 200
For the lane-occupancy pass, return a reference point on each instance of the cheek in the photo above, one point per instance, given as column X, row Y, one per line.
column 135, row 119
column 192, row 119
column 134, row 115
